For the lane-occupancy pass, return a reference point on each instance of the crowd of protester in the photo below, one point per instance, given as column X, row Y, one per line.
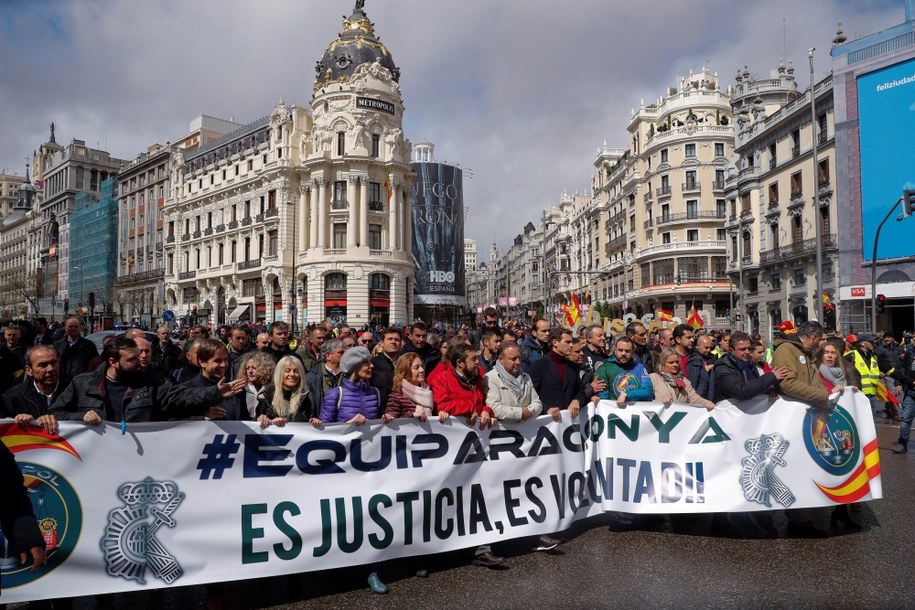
column 481, row 376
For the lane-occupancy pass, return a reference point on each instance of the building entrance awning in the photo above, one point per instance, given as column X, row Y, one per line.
column 237, row 313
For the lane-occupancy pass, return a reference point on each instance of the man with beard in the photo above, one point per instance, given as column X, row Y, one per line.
column 458, row 392
column 640, row 353
column 213, row 358
column 591, row 385
column 625, row 380
column 699, row 367
column 556, row 379
column 594, row 349
column 489, row 348
column 122, row 392
column 31, row 401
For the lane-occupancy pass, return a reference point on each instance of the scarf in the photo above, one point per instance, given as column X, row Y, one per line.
column 418, row 395
column 515, row 384
column 675, row 382
column 833, row 374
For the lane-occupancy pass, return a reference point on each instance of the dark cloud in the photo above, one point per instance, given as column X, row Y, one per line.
column 523, row 93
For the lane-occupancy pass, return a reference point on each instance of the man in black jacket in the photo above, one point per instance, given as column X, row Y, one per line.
column 699, row 367
column 31, row 400
column 556, row 379
column 385, row 363
column 636, row 331
column 75, row 351
column 165, row 353
column 122, row 392
column 214, row 364
column 736, row 377
column 279, row 342
column 594, row 349
column 17, row 519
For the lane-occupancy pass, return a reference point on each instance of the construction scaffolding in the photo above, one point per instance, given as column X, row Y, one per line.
column 93, row 248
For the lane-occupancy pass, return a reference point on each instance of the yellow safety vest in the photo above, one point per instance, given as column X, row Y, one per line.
column 870, row 374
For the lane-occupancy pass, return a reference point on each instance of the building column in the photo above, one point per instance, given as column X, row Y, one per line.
column 392, row 217
column 351, row 205
column 364, row 211
column 323, row 205
column 314, row 223
column 407, row 236
column 304, row 193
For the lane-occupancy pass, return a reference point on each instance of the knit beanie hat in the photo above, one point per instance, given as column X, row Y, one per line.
column 353, row 357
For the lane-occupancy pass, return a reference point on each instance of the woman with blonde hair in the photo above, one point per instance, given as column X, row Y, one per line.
column 256, row 368
column 410, row 395
column 287, row 398
column 670, row 385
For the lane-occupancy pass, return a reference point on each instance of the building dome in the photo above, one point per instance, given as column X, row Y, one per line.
column 356, row 45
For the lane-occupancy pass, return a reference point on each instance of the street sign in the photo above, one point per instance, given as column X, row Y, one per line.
column 168, row 315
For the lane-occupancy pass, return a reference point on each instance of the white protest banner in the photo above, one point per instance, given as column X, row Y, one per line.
column 742, row 456
column 195, row 502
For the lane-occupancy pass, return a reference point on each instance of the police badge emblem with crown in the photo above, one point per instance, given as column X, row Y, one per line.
column 129, row 544
column 759, row 483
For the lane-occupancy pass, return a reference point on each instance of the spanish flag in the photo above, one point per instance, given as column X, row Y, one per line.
column 857, row 485
column 665, row 315
column 575, row 309
column 19, row 439
column 694, row 319
column 827, row 302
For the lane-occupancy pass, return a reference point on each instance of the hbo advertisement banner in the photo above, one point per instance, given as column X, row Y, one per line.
column 134, row 511
column 438, row 234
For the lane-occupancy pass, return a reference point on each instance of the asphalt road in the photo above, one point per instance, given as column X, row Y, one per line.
column 679, row 564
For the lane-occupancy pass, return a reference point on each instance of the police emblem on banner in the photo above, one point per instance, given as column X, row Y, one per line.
column 130, row 544
column 831, row 439
column 56, row 505
column 625, row 382
column 757, row 477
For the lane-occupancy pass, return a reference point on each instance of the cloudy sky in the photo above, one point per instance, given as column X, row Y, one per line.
column 521, row 92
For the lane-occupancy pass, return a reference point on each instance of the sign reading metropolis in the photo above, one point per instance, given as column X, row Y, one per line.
column 886, row 109
column 123, row 510
column 438, row 234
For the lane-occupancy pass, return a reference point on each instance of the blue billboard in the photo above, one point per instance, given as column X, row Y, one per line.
column 886, row 120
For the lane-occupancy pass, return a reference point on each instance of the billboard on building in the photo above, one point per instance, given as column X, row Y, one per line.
column 886, row 111
column 438, row 234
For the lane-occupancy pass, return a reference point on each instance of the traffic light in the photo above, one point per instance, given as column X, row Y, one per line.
column 66, row 305
column 908, row 200
column 679, row 279
column 881, row 303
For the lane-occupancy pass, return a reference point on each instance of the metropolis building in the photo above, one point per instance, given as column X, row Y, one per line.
column 303, row 214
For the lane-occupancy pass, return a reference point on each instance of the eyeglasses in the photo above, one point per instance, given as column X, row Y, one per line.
column 365, row 341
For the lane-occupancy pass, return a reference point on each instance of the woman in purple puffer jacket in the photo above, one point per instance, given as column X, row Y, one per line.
column 355, row 401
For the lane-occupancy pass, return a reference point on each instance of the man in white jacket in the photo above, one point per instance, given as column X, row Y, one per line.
column 510, row 392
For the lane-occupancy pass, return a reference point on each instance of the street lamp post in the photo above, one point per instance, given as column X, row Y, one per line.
column 874, row 265
column 818, row 274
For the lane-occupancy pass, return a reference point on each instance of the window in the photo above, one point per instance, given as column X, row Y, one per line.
column 797, row 185
column 339, row 236
column 339, row 201
column 795, row 142
column 719, row 178
column 720, row 208
column 376, row 144
column 772, row 157
column 209, row 220
column 775, row 280
column 248, row 208
column 375, row 202
column 271, row 199
column 341, row 143
column 775, row 236
column 692, row 235
column 221, row 253
column 375, row 237
column 250, row 165
column 232, row 247
column 800, row 278
column 664, row 155
column 691, row 182
column 721, row 235
column 692, row 208
column 247, row 252
column 745, row 203
column 773, row 194
column 665, row 212
column 197, row 223
column 272, row 243
column 690, row 151
column 734, row 249
column 252, row 288
column 823, row 172
column 335, row 281
column 665, row 238
column 719, row 149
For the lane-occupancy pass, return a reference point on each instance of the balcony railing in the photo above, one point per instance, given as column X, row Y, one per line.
column 615, row 243
column 233, row 224
column 773, row 163
column 376, row 206
column 718, row 185
column 170, row 239
column 647, row 196
column 663, row 191
column 220, row 228
column 796, row 150
column 259, row 218
column 246, row 221
column 252, row 264
column 648, row 224
column 208, row 231
column 691, row 185
column 187, row 275
column 796, row 249
column 196, row 234
column 684, row 245
column 339, row 204
column 697, row 215
column 271, row 212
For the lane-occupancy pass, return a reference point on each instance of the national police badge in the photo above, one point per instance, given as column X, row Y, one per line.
column 130, row 544
column 756, row 477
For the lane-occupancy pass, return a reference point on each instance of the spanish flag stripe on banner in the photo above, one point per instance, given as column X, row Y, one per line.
column 18, row 441
column 858, row 483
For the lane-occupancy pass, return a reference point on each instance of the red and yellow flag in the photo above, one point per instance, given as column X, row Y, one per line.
column 694, row 319
column 664, row 315
column 858, row 483
column 20, row 439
